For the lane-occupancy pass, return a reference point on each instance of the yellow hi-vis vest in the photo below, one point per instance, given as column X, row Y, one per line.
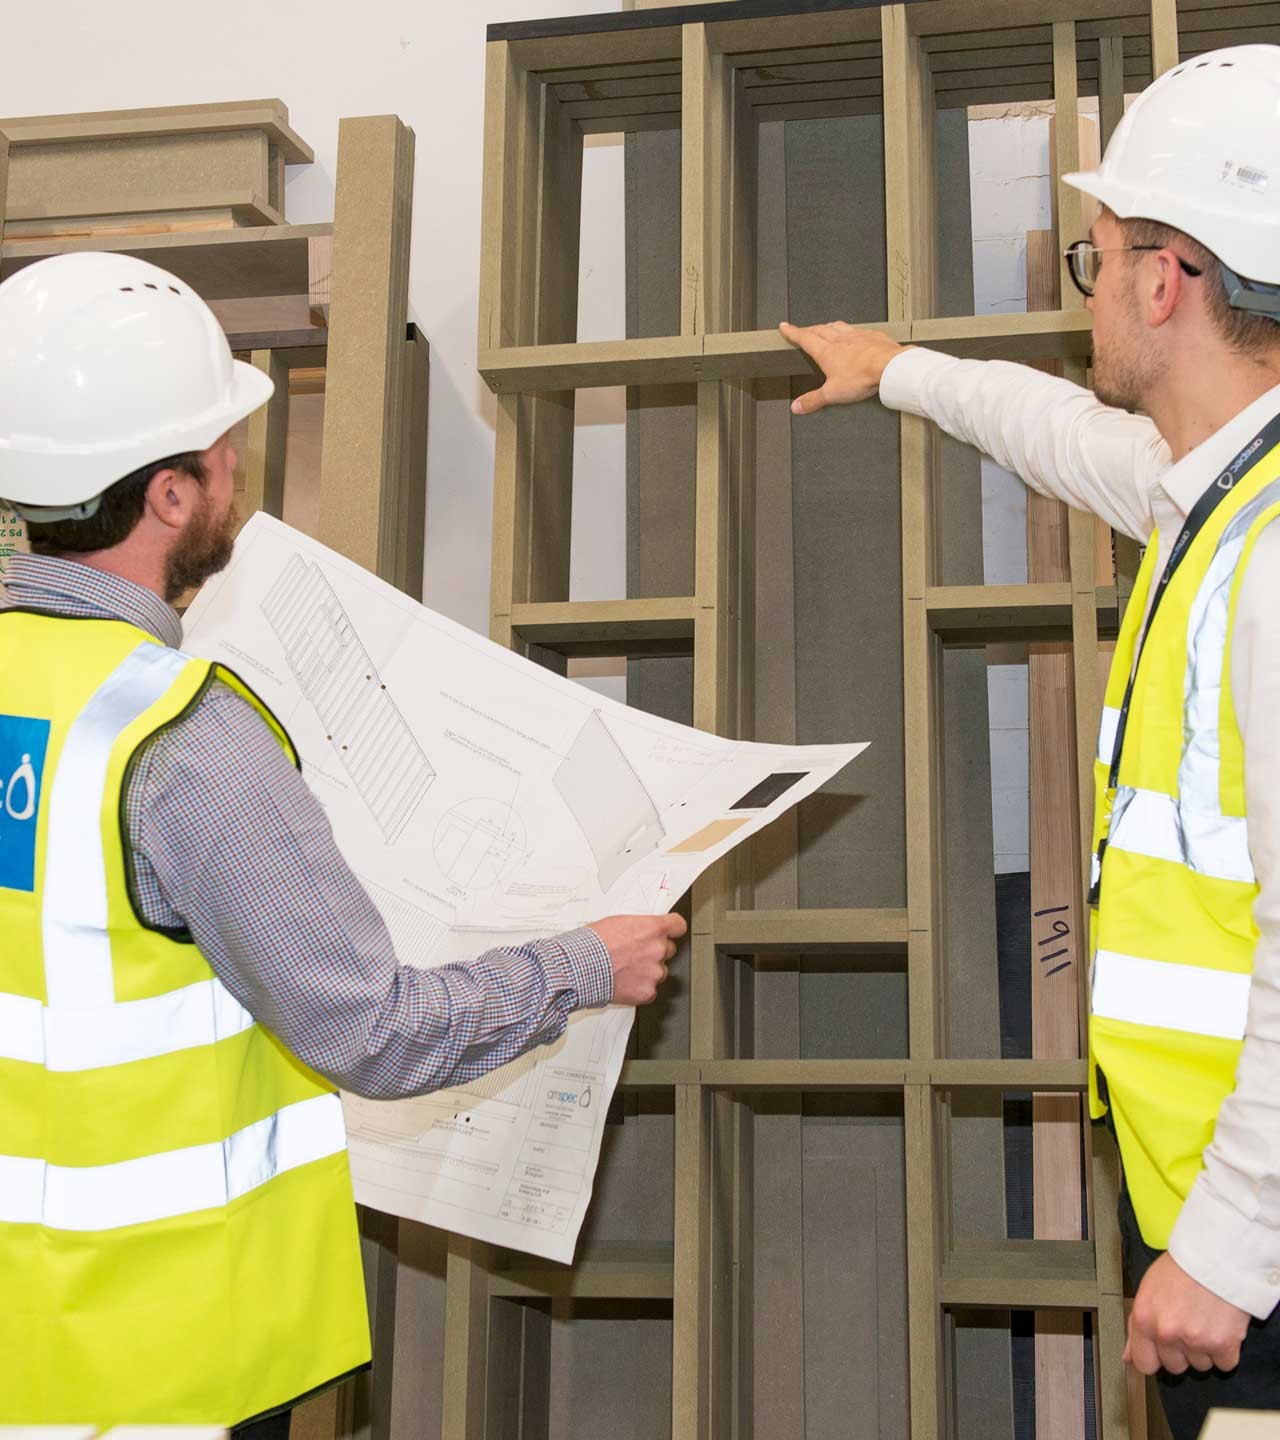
column 1173, row 933
column 178, row 1240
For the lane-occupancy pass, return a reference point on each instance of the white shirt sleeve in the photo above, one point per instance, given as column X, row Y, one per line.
column 1228, row 1233
column 1057, row 436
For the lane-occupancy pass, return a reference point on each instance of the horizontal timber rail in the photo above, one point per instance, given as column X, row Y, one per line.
column 764, row 354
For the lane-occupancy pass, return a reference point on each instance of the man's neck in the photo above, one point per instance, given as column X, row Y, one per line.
column 1194, row 403
column 124, row 562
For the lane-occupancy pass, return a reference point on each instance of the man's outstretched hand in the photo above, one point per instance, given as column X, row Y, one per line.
column 853, row 361
column 1176, row 1323
column 640, row 949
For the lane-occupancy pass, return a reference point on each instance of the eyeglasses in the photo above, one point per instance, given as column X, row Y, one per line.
column 1083, row 263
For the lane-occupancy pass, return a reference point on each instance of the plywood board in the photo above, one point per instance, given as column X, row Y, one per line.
column 271, row 117
column 136, row 176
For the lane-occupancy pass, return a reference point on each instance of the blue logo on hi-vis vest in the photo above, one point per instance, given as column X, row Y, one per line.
column 23, row 742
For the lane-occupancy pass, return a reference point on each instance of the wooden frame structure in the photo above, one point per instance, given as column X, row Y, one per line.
column 123, row 181
column 713, row 71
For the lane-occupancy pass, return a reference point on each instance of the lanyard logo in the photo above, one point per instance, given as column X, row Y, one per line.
column 23, row 743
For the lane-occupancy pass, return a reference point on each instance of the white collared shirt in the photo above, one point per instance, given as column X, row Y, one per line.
column 1064, row 443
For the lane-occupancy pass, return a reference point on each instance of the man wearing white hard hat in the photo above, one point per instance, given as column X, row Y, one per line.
column 1182, row 274
column 188, row 968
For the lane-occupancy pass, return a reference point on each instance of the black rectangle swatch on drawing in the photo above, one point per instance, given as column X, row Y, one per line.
column 769, row 790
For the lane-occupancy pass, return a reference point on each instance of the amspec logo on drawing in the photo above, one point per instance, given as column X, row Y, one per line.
column 580, row 1098
column 23, row 742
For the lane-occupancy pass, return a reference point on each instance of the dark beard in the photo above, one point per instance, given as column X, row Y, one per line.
column 203, row 550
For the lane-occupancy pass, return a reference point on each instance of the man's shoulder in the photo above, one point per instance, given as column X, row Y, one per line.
column 223, row 730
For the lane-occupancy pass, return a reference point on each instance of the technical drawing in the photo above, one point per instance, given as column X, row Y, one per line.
column 361, row 721
column 468, row 942
column 607, row 798
column 708, row 837
column 772, row 788
column 416, row 933
column 479, row 843
column 510, row 1084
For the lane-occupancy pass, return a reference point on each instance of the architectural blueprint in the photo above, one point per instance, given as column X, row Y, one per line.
column 484, row 802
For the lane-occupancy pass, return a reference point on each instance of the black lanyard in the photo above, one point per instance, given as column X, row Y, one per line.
column 1264, row 441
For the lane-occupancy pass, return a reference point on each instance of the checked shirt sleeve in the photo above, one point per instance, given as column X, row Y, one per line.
column 228, row 840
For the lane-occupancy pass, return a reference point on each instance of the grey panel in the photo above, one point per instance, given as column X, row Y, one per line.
column 418, row 1395
column 855, row 1329
column 847, row 530
column 611, row 1371
column 635, row 1188
column 853, row 1016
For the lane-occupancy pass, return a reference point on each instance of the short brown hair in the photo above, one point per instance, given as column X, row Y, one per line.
column 118, row 512
column 1244, row 332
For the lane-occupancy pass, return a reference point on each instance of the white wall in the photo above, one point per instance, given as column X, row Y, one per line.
column 423, row 60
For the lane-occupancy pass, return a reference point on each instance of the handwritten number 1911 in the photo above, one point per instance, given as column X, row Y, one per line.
column 1059, row 931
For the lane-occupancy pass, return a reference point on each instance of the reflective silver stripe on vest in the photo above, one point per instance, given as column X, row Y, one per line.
column 177, row 1182
column 1107, row 728
column 1171, row 997
column 1192, row 830
column 64, row 1039
column 1145, row 822
column 77, row 947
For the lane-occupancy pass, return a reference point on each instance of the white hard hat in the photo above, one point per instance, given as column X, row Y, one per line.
column 107, row 364
column 1199, row 150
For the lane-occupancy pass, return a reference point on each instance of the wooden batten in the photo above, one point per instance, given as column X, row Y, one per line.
column 1164, row 35
column 319, row 279
column 411, row 517
column 361, row 465
column 268, row 431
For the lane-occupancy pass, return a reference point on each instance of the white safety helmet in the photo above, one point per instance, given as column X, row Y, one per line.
column 107, row 364
column 1199, row 150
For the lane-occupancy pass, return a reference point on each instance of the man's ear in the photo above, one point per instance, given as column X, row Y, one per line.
column 168, row 497
column 1165, row 288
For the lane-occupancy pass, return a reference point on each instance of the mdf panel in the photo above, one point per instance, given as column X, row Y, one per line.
column 132, row 177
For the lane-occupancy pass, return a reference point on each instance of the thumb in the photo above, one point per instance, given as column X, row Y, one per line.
column 808, row 403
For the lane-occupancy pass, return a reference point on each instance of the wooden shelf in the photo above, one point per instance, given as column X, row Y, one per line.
column 799, row 1075
column 662, row 626
column 1021, row 1274
column 303, row 348
column 642, row 1274
column 219, row 264
column 1039, row 335
column 803, row 1076
column 980, row 614
column 1007, row 1075
column 764, row 932
column 639, row 1075
column 268, row 116
column 764, row 354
